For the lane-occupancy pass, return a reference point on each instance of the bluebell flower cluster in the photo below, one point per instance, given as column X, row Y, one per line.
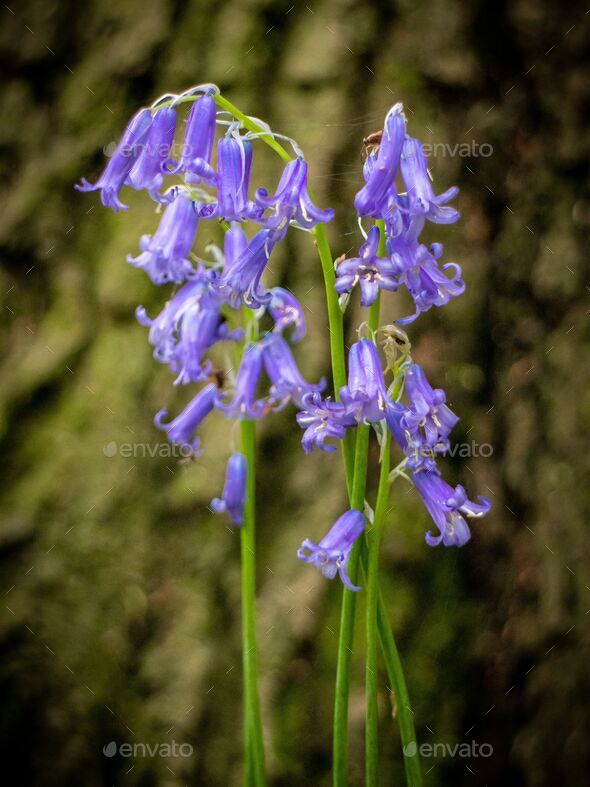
column 399, row 195
column 205, row 309
column 400, row 159
column 209, row 181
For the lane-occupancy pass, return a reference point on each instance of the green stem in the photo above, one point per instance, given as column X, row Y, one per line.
column 253, row 742
column 336, row 328
column 372, row 574
column 399, row 688
column 347, row 616
column 252, row 125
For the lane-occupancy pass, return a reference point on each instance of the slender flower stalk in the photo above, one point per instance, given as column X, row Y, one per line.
column 253, row 737
column 347, row 618
column 373, row 538
column 253, row 740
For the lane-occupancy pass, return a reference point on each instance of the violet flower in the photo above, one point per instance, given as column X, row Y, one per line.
column 429, row 285
column 291, row 201
column 163, row 335
column 288, row 384
column 234, row 165
column 234, row 491
column 164, row 255
column 147, row 172
column 381, row 169
column 287, row 312
column 182, row 429
column 121, row 162
column 244, row 403
column 198, row 143
column 426, row 282
column 447, row 506
column 422, row 199
column 331, row 555
column 366, row 394
column 323, row 419
column 371, row 272
column 239, row 281
column 428, row 410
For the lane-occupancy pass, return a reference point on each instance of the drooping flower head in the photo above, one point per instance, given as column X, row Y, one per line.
column 234, row 166
column 447, row 507
column 323, row 419
column 292, row 202
column 234, row 491
column 331, row 555
column 164, row 255
column 164, row 328
column 240, row 280
column 288, row 384
column 366, row 394
column 182, row 429
column 287, row 312
column 371, row 272
column 244, row 403
column 381, row 168
column 147, row 171
column 428, row 284
column 427, row 411
column 121, row 162
column 198, row 143
column 422, row 200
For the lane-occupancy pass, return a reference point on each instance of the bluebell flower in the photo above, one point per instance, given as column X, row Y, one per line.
column 163, row 334
column 371, row 272
column 244, row 403
column 198, row 330
column 394, row 417
column 422, row 200
column 380, row 170
column 147, row 172
column 234, row 491
column 291, row 201
column 164, row 255
column 121, row 162
column 190, row 323
column 198, row 144
column 182, row 429
column 287, row 312
column 323, row 419
column 428, row 284
column 447, row 507
column 427, row 411
column 288, row 384
column 239, row 281
column 234, row 166
column 331, row 555
column 366, row 394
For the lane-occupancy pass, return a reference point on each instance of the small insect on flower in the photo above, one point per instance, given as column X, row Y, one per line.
column 370, row 144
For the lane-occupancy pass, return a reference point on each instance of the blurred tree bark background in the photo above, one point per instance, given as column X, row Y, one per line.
column 120, row 619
